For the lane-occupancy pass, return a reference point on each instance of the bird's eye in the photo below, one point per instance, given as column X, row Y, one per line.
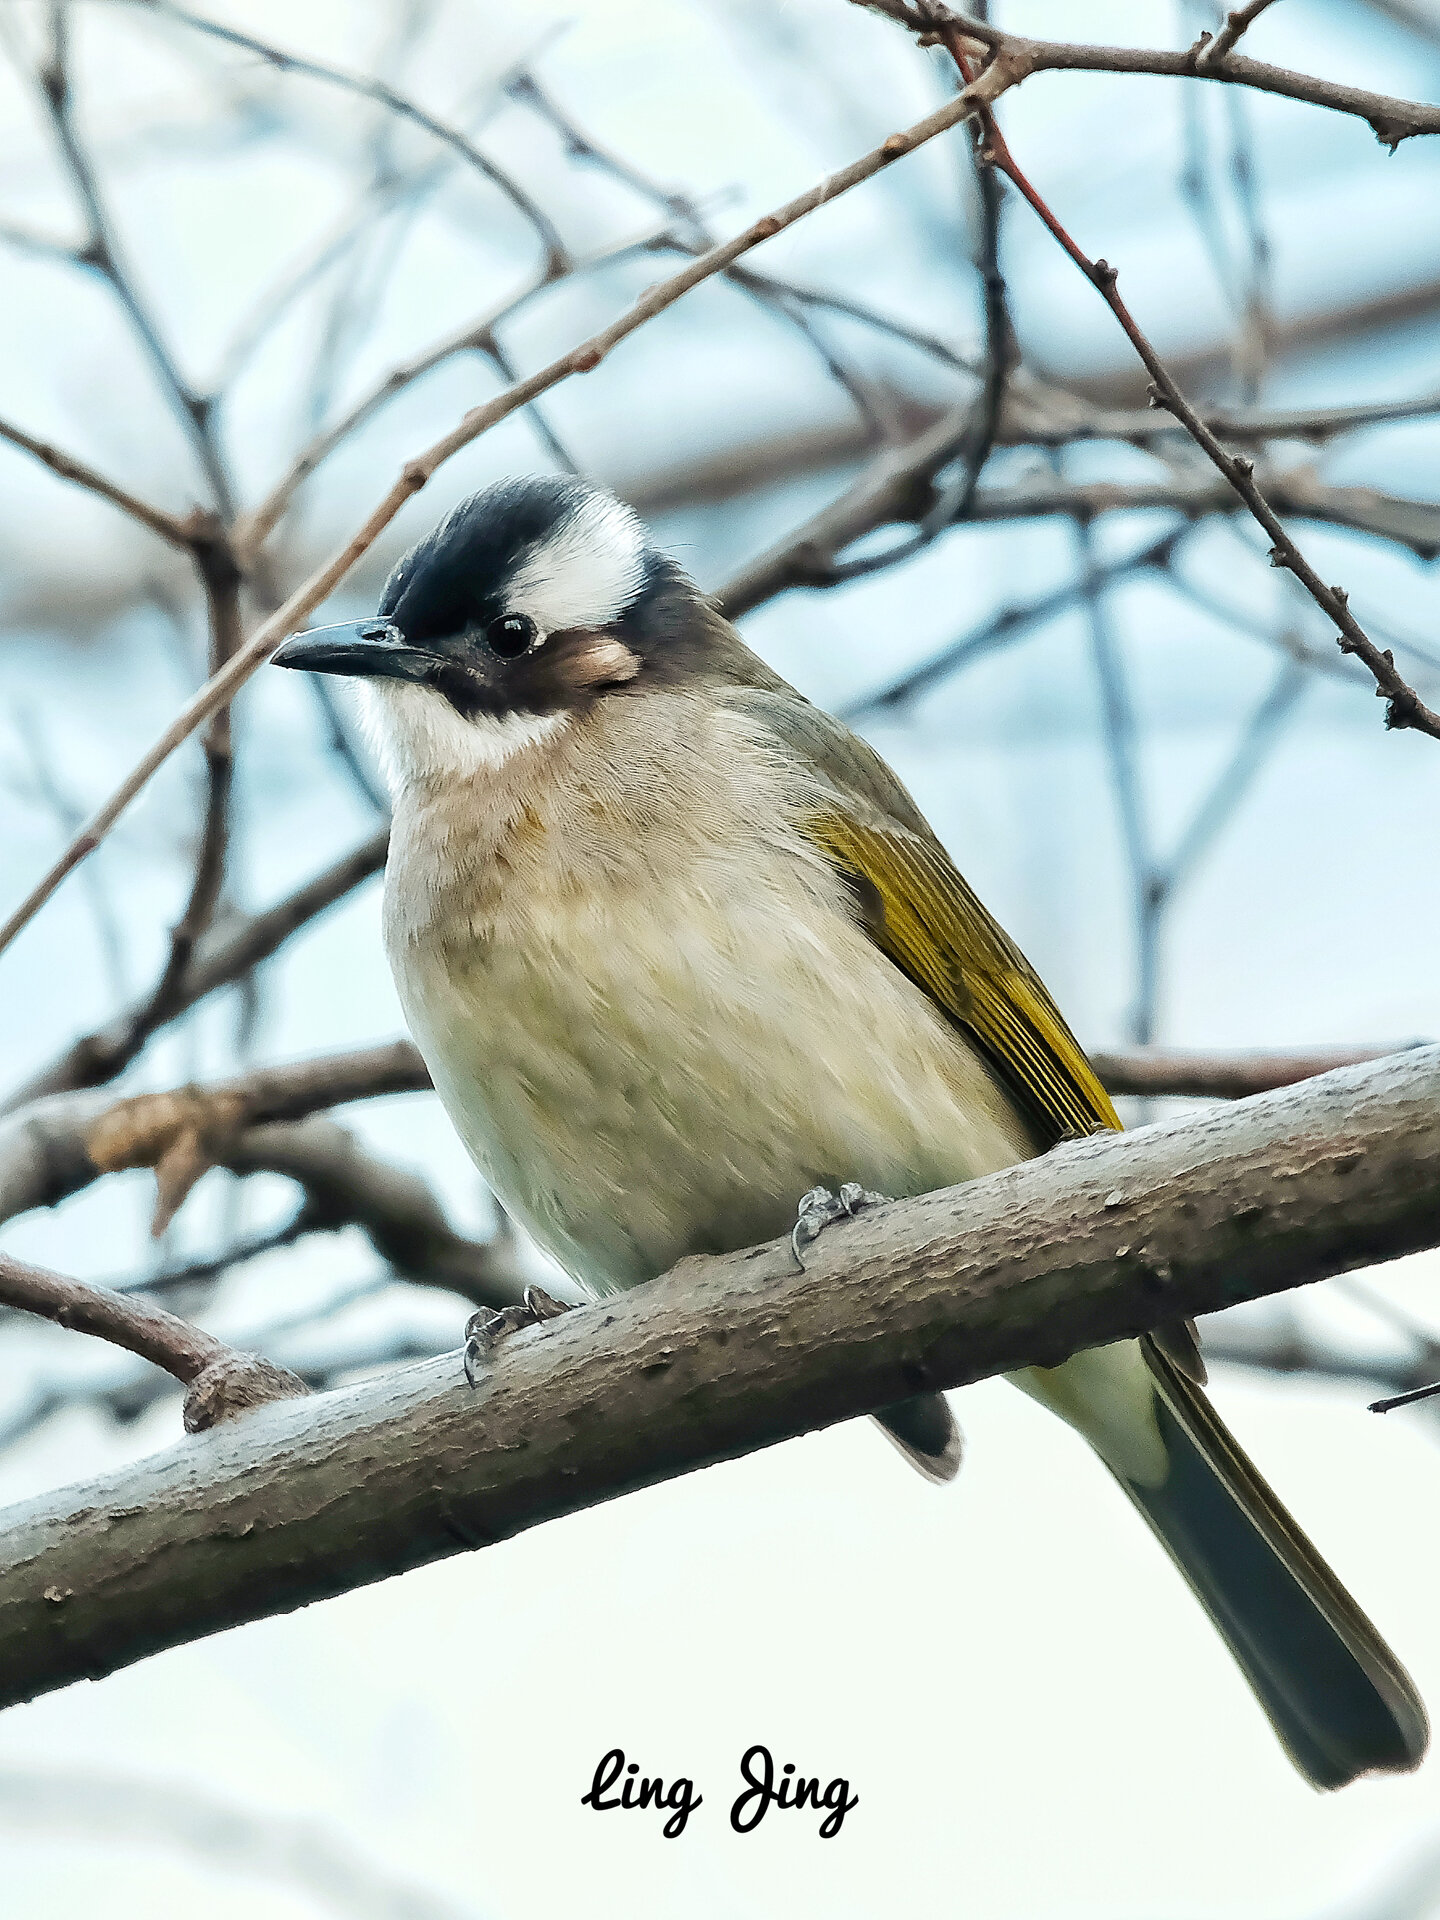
column 511, row 635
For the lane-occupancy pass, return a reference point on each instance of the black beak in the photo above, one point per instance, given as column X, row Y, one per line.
column 368, row 647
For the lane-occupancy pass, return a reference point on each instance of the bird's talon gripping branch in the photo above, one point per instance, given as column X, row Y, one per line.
column 820, row 1208
column 544, row 1306
column 485, row 1329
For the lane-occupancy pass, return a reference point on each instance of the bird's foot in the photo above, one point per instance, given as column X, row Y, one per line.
column 820, row 1208
column 486, row 1329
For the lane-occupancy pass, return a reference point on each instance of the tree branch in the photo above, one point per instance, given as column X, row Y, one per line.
column 393, row 102
column 222, row 687
column 1212, row 52
column 900, row 487
column 57, row 1147
column 1097, row 1240
column 100, row 254
column 175, row 528
column 221, row 959
column 936, row 24
column 220, row 1381
column 1196, row 1074
column 1014, row 58
column 220, row 577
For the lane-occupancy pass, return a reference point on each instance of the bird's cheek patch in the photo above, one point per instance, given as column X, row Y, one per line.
column 600, row 660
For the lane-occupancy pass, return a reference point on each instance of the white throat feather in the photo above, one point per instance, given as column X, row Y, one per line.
column 419, row 738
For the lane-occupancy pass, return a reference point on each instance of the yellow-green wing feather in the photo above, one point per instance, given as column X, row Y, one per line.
column 921, row 913
column 924, row 917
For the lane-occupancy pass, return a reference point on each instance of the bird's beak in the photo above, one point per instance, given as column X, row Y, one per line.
column 372, row 648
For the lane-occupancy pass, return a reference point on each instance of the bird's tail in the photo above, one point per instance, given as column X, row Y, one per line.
column 924, row 1430
column 1337, row 1697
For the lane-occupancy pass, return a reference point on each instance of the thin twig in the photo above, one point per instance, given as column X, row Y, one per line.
column 221, row 959
column 777, row 299
column 1014, row 59
column 1404, row 707
column 215, row 1266
column 60, row 1146
column 954, row 503
column 393, row 102
column 1203, row 1074
column 222, row 687
column 252, row 529
column 221, row 1382
column 1010, row 624
column 178, row 530
column 1213, row 52
column 898, row 486
column 99, row 253
column 221, row 580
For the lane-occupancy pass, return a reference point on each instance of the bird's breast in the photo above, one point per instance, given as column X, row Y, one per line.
column 652, row 1044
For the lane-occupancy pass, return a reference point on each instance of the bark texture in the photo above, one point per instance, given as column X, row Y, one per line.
column 1101, row 1238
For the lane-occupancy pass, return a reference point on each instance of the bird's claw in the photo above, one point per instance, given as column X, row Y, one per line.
column 486, row 1329
column 820, row 1208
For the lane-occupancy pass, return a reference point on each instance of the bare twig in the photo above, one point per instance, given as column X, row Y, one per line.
column 220, row 960
column 221, row 578
column 177, row 530
column 254, row 528
column 1010, row 624
column 1406, row 1399
column 59, row 1146
column 213, row 1267
column 1212, row 52
column 394, row 1208
column 394, row 102
column 182, row 1134
column 900, row 486
column 220, row 1381
column 1404, row 708
column 1295, row 1352
column 954, row 503
column 99, row 253
column 1013, row 59
column 1047, row 417
column 221, row 688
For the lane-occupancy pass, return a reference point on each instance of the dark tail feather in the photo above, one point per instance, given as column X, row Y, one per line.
column 924, row 1430
column 1338, row 1698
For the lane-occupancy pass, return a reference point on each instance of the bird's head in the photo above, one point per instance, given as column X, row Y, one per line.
column 530, row 601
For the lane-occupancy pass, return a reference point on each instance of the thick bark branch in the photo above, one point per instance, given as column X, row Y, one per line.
column 1097, row 1240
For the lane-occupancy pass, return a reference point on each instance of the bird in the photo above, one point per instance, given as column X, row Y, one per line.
column 680, row 953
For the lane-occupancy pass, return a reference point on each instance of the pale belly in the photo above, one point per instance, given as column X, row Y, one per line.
column 634, row 1094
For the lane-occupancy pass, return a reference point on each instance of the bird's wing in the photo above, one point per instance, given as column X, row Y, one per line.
column 923, row 916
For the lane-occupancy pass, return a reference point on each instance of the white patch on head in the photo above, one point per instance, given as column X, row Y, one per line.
column 419, row 738
column 583, row 574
